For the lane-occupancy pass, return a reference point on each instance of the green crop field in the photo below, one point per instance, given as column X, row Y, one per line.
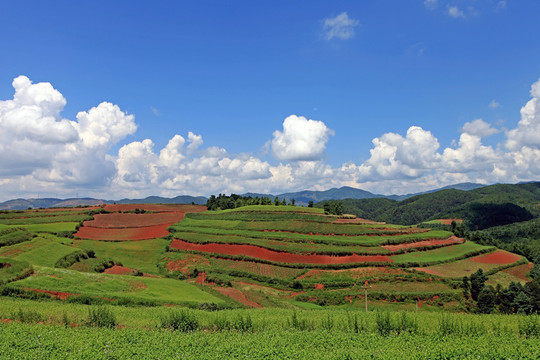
column 141, row 255
column 115, row 286
column 448, row 253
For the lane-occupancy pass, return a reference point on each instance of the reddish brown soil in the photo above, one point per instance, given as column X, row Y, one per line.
column 57, row 294
column 119, row 270
column 432, row 242
column 520, row 271
column 74, row 209
column 201, row 278
column 142, row 233
column 319, row 286
column 11, row 252
column 183, row 264
column 155, row 207
column 449, row 221
column 270, row 255
column 238, row 296
column 121, row 221
column 497, row 257
column 4, row 265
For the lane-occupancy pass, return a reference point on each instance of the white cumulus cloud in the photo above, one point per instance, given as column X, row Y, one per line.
column 479, row 127
column 301, row 139
column 527, row 132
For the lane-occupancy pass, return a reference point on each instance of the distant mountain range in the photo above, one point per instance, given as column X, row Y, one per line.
column 300, row 197
column 347, row 192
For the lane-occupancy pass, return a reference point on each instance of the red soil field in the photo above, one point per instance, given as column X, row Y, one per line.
column 183, row 264
column 121, row 221
column 498, row 257
column 119, row 270
column 142, row 233
column 520, row 271
column 270, row 255
column 435, row 242
column 74, row 209
column 155, row 207
column 319, row 286
column 57, row 294
column 238, row 296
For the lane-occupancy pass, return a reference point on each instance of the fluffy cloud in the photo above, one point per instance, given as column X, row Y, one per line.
column 31, row 129
column 43, row 152
column 340, row 26
column 395, row 156
column 300, row 140
column 527, row 132
column 478, row 128
column 36, row 141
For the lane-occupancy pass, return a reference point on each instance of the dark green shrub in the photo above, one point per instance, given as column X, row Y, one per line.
column 101, row 316
column 179, row 321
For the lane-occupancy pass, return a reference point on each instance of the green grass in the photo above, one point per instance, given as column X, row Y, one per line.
column 12, row 269
column 142, row 255
column 161, row 290
column 447, row 253
column 50, row 228
column 292, row 247
column 361, row 240
column 39, row 251
column 46, row 219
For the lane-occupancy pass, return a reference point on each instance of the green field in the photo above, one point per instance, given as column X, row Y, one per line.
column 160, row 290
column 444, row 254
column 265, row 333
column 141, row 255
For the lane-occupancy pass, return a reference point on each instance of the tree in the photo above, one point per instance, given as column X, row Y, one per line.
column 486, row 300
column 522, row 303
column 478, row 279
column 292, row 202
column 276, row 201
column 284, row 202
column 310, row 203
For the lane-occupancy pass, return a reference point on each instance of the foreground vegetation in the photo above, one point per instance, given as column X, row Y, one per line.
column 78, row 331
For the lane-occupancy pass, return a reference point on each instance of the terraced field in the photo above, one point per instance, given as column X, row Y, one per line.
column 254, row 256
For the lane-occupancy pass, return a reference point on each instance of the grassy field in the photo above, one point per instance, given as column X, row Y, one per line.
column 39, row 251
column 142, row 255
column 443, row 254
column 263, row 333
column 49, row 227
column 161, row 290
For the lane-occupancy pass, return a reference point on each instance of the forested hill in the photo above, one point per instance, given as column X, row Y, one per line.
column 480, row 208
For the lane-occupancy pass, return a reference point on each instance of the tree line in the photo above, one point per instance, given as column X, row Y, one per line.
column 222, row 201
column 515, row 299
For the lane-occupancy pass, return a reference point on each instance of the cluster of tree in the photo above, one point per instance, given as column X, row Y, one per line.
column 333, row 207
column 515, row 299
column 222, row 201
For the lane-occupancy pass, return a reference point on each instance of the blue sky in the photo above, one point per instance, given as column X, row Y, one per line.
column 232, row 72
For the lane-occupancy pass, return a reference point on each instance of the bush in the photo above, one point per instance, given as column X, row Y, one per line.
column 101, row 316
column 179, row 321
